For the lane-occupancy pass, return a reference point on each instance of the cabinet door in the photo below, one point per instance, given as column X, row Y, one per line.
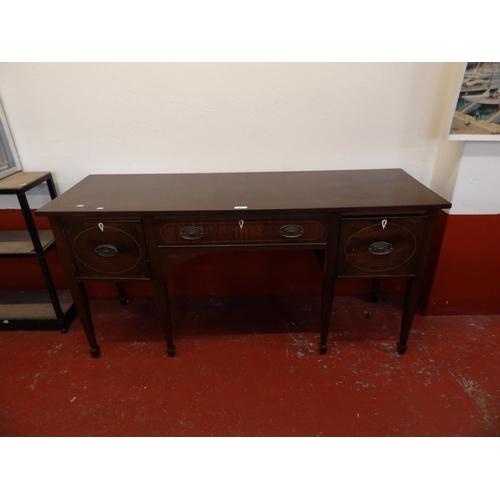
column 108, row 249
column 380, row 246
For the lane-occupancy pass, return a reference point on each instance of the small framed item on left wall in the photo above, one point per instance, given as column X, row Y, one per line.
column 9, row 159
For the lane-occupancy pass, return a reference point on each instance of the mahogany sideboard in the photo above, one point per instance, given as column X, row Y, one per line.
column 361, row 223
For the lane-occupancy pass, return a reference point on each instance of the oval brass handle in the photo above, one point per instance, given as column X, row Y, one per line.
column 380, row 248
column 106, row 250
column 191, row 233
column 292, row 231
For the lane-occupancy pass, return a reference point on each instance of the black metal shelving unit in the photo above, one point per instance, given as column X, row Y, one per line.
column 44, row 309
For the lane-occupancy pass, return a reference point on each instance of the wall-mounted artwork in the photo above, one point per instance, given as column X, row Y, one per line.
column 9, row 160
column 476, row 115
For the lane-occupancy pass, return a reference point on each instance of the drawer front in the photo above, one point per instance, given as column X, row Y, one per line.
column 380, row 246
column 240, row 231
column 108, row 249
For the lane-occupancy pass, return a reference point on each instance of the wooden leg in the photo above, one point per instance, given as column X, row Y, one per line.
column 160, row 284
column 410, row 306
column 122, row 296
column 375, row 290
column 414, row 286
column 329, row 261
column 80, row 298
column 320, row 256
column 164, row 309
column 326, row 311
column 78, row 291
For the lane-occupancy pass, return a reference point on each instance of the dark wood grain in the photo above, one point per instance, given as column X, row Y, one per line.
column 129, row 261
column 235, row 231
column 403, row 234
column 178, row 193
column 159, row 221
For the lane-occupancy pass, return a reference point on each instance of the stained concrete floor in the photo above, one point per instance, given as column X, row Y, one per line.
column 250, row 367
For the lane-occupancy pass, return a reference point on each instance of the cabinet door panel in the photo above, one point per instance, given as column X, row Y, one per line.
column 108, row 249
column 379, row 246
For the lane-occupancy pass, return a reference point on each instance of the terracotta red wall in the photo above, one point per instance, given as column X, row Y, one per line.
column 466, row 279
column 467, row 275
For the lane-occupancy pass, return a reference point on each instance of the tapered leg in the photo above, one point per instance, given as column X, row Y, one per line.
column 78, row 291
column 329, row 261
column 410, row 306
column 164, row 309
column 414, row 285
column 320, row 256
column 374, row 294
column 160, row 284
column 80, row 298
column 326, row 311
column 122, row 296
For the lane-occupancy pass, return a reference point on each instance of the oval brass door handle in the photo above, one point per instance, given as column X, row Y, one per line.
column 191, row 233
column 380, row 248
column 292, row 231
column 106, row 250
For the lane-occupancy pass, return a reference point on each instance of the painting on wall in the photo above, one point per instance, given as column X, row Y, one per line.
column 476, row 115
column 9, row 160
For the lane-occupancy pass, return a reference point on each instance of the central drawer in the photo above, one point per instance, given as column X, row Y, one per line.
column 240, row 231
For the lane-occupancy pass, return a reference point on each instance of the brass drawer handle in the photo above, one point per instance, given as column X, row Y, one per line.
column 292, row 231
column 191, row 233
column 106, row 250
column 380, row 248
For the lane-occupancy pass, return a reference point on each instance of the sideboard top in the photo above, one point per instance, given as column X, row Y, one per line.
column 215, row 192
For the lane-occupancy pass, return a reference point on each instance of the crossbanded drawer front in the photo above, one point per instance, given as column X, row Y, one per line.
column 379, row 246
column 240, row 231
column 108, row 249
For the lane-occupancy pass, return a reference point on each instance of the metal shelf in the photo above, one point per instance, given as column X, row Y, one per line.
column 47, row 309
column 18, row 243
column 25, row 309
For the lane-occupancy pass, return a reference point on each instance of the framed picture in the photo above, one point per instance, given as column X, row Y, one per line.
column 9, row 159
column 476, row 112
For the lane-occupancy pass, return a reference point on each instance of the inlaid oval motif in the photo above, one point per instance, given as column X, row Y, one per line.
column 367, row 251
column 94, row 248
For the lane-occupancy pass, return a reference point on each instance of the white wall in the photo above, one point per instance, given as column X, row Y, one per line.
column 80, row 118
column 477, row 189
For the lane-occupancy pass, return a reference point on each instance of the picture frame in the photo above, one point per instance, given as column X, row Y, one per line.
column 9, row 159
column 476, row 106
